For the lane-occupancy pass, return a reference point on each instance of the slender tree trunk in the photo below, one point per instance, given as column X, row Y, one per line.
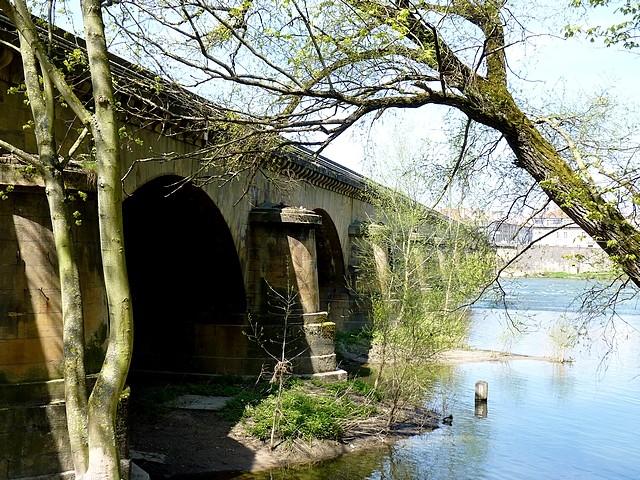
column 42, row 107
column 73, row 321
column 103, row 454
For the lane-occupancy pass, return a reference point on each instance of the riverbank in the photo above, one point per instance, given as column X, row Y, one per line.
column 461, row 356
column 186, row 442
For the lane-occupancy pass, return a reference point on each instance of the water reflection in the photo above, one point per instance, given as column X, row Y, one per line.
column 358, row 465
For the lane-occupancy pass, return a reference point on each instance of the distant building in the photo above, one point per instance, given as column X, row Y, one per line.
column 555, row 231
column 547, row 244
column 566, row 234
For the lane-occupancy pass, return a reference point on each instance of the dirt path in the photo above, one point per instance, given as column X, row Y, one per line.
column 194, row 441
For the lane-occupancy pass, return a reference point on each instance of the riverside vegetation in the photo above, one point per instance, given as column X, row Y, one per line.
column 308, row 409
column 311, row 414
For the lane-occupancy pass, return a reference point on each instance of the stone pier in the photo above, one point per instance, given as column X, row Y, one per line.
column 285, row 298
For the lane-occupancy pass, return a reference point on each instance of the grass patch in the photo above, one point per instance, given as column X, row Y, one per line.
column 307, row 409
column 310, row 411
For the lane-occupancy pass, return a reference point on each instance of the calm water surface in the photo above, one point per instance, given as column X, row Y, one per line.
column 545, row 420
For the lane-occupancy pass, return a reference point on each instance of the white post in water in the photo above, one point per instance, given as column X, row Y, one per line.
column 482, row 393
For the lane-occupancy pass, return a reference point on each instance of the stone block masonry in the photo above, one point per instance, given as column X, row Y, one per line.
column 285, row 278
column 33, row 431
column 34, row 441
column 30, row 307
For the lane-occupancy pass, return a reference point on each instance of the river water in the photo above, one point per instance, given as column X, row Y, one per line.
column 578, row 420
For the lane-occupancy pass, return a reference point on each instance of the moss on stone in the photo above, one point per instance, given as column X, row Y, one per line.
column 328, row 330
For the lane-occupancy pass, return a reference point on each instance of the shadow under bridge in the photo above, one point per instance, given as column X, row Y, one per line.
column 186, row 281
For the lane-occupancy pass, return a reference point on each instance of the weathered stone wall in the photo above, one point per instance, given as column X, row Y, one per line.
column 283, row 288
column 236, row 199
column 30, row 308
column 33, row 431
column 34, row 440
column 541, row 259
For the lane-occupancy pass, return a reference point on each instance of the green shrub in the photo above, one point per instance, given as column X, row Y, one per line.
column 305, row 414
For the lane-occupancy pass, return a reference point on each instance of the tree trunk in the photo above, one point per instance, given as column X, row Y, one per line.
column 42, row 101
column 103, row 454
column 72, row 317
column 601, row 220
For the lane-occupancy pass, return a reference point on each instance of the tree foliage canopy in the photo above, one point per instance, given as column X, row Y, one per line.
column 312, row 69
column 623, row 32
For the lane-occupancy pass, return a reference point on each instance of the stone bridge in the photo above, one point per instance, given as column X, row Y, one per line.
column 207, row 265
column 216, row 269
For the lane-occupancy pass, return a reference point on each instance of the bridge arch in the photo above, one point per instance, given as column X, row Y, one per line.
column 332, row 285
column 186, row 281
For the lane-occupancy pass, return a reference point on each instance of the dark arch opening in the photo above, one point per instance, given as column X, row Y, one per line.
column 334, row 295
column 184, row 273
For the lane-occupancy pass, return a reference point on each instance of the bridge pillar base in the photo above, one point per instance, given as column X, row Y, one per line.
column 283, row 260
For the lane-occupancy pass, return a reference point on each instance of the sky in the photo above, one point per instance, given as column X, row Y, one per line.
column 554, row 68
